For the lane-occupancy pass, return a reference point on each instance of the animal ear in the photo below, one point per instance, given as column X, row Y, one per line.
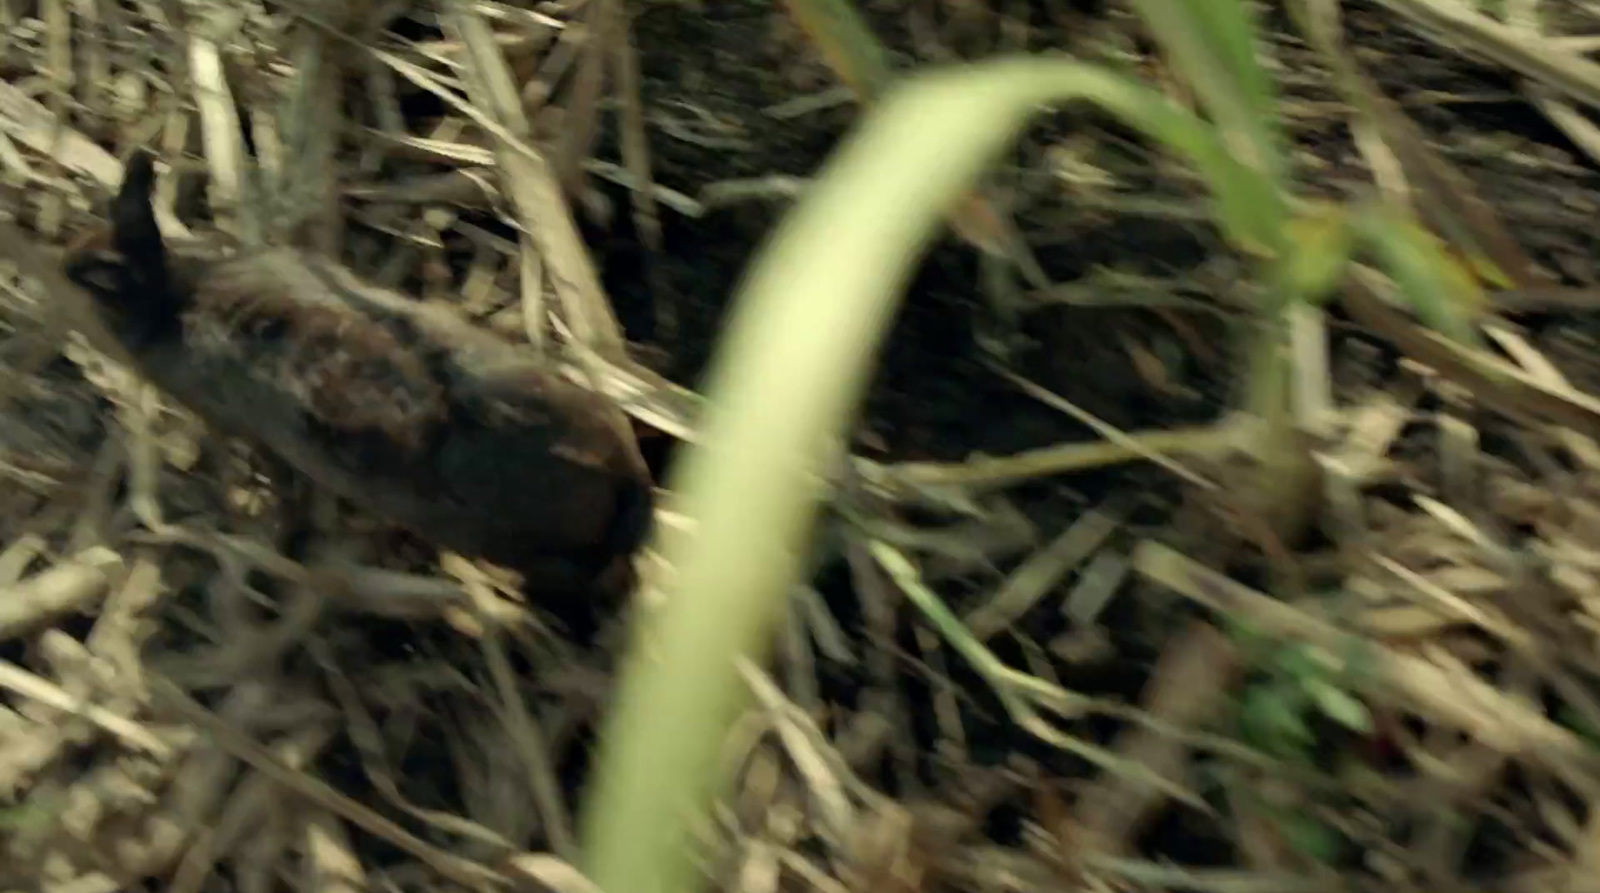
column 133, row 218
column 101, row 272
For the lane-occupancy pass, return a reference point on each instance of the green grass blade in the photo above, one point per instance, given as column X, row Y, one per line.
column 1320, row 242
column 847, row 45
column 1212, row 44
column 783, row 388
column 1443, row 292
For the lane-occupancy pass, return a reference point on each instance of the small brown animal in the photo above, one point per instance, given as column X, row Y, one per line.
column 403, row 408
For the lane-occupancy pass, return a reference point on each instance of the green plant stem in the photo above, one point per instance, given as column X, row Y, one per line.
column 785, row 384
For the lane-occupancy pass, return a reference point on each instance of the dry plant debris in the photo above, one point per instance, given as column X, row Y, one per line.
column 204, row 688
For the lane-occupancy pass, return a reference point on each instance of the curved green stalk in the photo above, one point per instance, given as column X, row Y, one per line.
column 785, row 385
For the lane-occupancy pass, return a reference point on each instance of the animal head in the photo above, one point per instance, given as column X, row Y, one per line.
column 129, row 278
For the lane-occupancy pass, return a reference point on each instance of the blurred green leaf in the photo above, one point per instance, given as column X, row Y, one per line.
column 1340, row 706
column 847, row 45
column 1272, row 717
column 1318, row 254
column 26, row 816
column 803, row 333
column 1441, row 290
column 1487, row 270
column 1212, row 44
column 1297, row 662
column 1445, row 199
column 1309, row 837
column 1578, row 723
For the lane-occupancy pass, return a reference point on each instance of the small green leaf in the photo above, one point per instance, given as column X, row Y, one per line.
column 1298, row 662
column 1271, row 718
column 1441, row 290
column 25, row 817
column 1578, row 723
column 1309, row 837
column 1318, row 254
column 1486, row 270
column 1340, row 706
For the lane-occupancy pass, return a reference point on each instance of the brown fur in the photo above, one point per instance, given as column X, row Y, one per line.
column 351, row 372
column 420, row 416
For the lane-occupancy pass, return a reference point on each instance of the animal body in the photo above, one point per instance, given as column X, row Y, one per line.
column 405, row 409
